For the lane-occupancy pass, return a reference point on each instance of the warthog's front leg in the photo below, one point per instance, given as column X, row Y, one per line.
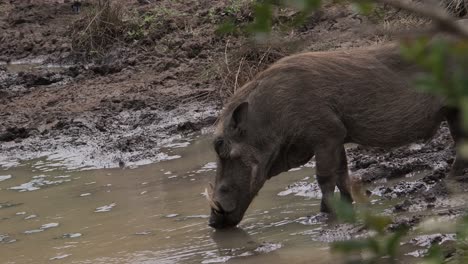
column 330, row 171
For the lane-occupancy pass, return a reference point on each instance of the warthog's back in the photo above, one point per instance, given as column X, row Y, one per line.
column 370, row 91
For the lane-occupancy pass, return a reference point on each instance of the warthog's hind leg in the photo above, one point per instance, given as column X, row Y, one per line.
column 329, row 158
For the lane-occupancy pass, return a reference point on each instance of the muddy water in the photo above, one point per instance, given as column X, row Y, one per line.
column 150, row 214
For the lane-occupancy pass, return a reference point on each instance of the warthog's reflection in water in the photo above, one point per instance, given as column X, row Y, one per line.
column 233, row 238
column 233, row 243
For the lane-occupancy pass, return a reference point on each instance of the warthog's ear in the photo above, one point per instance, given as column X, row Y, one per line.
column 239, row 118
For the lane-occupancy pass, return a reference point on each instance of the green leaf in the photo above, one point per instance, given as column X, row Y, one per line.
column 263, row 17
column 226, row 28
column 428, row 83
column 311, row 5
column 434, row 255
column 393, row 242
column 364, row 7
column 413, row 50
column 351, row 245
column 377, row 222
column 344, row 210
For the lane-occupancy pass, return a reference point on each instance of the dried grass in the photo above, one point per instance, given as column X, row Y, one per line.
column 99, row 28
column 456, row 7
column 240, row 65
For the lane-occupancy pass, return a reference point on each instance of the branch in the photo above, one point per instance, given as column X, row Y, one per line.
column 445, row 21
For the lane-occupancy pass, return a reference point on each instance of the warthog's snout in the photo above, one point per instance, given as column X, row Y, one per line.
column 224, row 212
column 222, row 220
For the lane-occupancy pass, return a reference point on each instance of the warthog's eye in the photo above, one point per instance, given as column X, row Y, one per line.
column 218, row 145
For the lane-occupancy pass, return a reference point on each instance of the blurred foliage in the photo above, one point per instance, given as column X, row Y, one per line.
column 380, row 246
column 446, row 65
column 462, row 240
column 445, row 62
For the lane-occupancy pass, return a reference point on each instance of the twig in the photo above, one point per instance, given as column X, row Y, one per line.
column 263, row 56
column 226, row 57
column 92, row 20
column 238, row 72
column 445, row 21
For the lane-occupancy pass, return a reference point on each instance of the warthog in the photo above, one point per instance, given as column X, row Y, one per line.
column 311, row 104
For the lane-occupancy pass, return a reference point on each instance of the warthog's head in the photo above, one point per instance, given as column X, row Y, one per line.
column 247, row 156
column 237, row 180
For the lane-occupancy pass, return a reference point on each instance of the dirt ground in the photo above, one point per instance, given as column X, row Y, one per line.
column 117, row 101
column 118, row 109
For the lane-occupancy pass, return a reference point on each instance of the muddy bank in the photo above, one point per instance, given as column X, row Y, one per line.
column 124, row 104
column 107, row 140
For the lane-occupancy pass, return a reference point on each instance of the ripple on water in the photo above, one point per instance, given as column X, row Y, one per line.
column 8, row 205
column 264, row 248
column 30, row 217
column 143, row 233
column 319, row 218
column 36, row 183
column 71, row 235
column 62, row 256
column 6, row 239
column 197, row 216
column 268, row 247
column 28, row 232
column 42, row 228
column 217, row 260
column 210, row 166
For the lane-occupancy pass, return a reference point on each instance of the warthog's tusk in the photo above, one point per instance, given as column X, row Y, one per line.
column 209, row 196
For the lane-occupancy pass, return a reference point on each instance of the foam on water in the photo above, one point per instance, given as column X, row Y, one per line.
column 303, row 189
column 4, row 177
column 71, row 235
column 49, row 225
column 105, row 208
column 30, row 217
column 36, row 183
column 60, row 256
column 268, row 247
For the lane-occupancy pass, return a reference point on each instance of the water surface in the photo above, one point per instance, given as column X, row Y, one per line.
column 150, row 214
